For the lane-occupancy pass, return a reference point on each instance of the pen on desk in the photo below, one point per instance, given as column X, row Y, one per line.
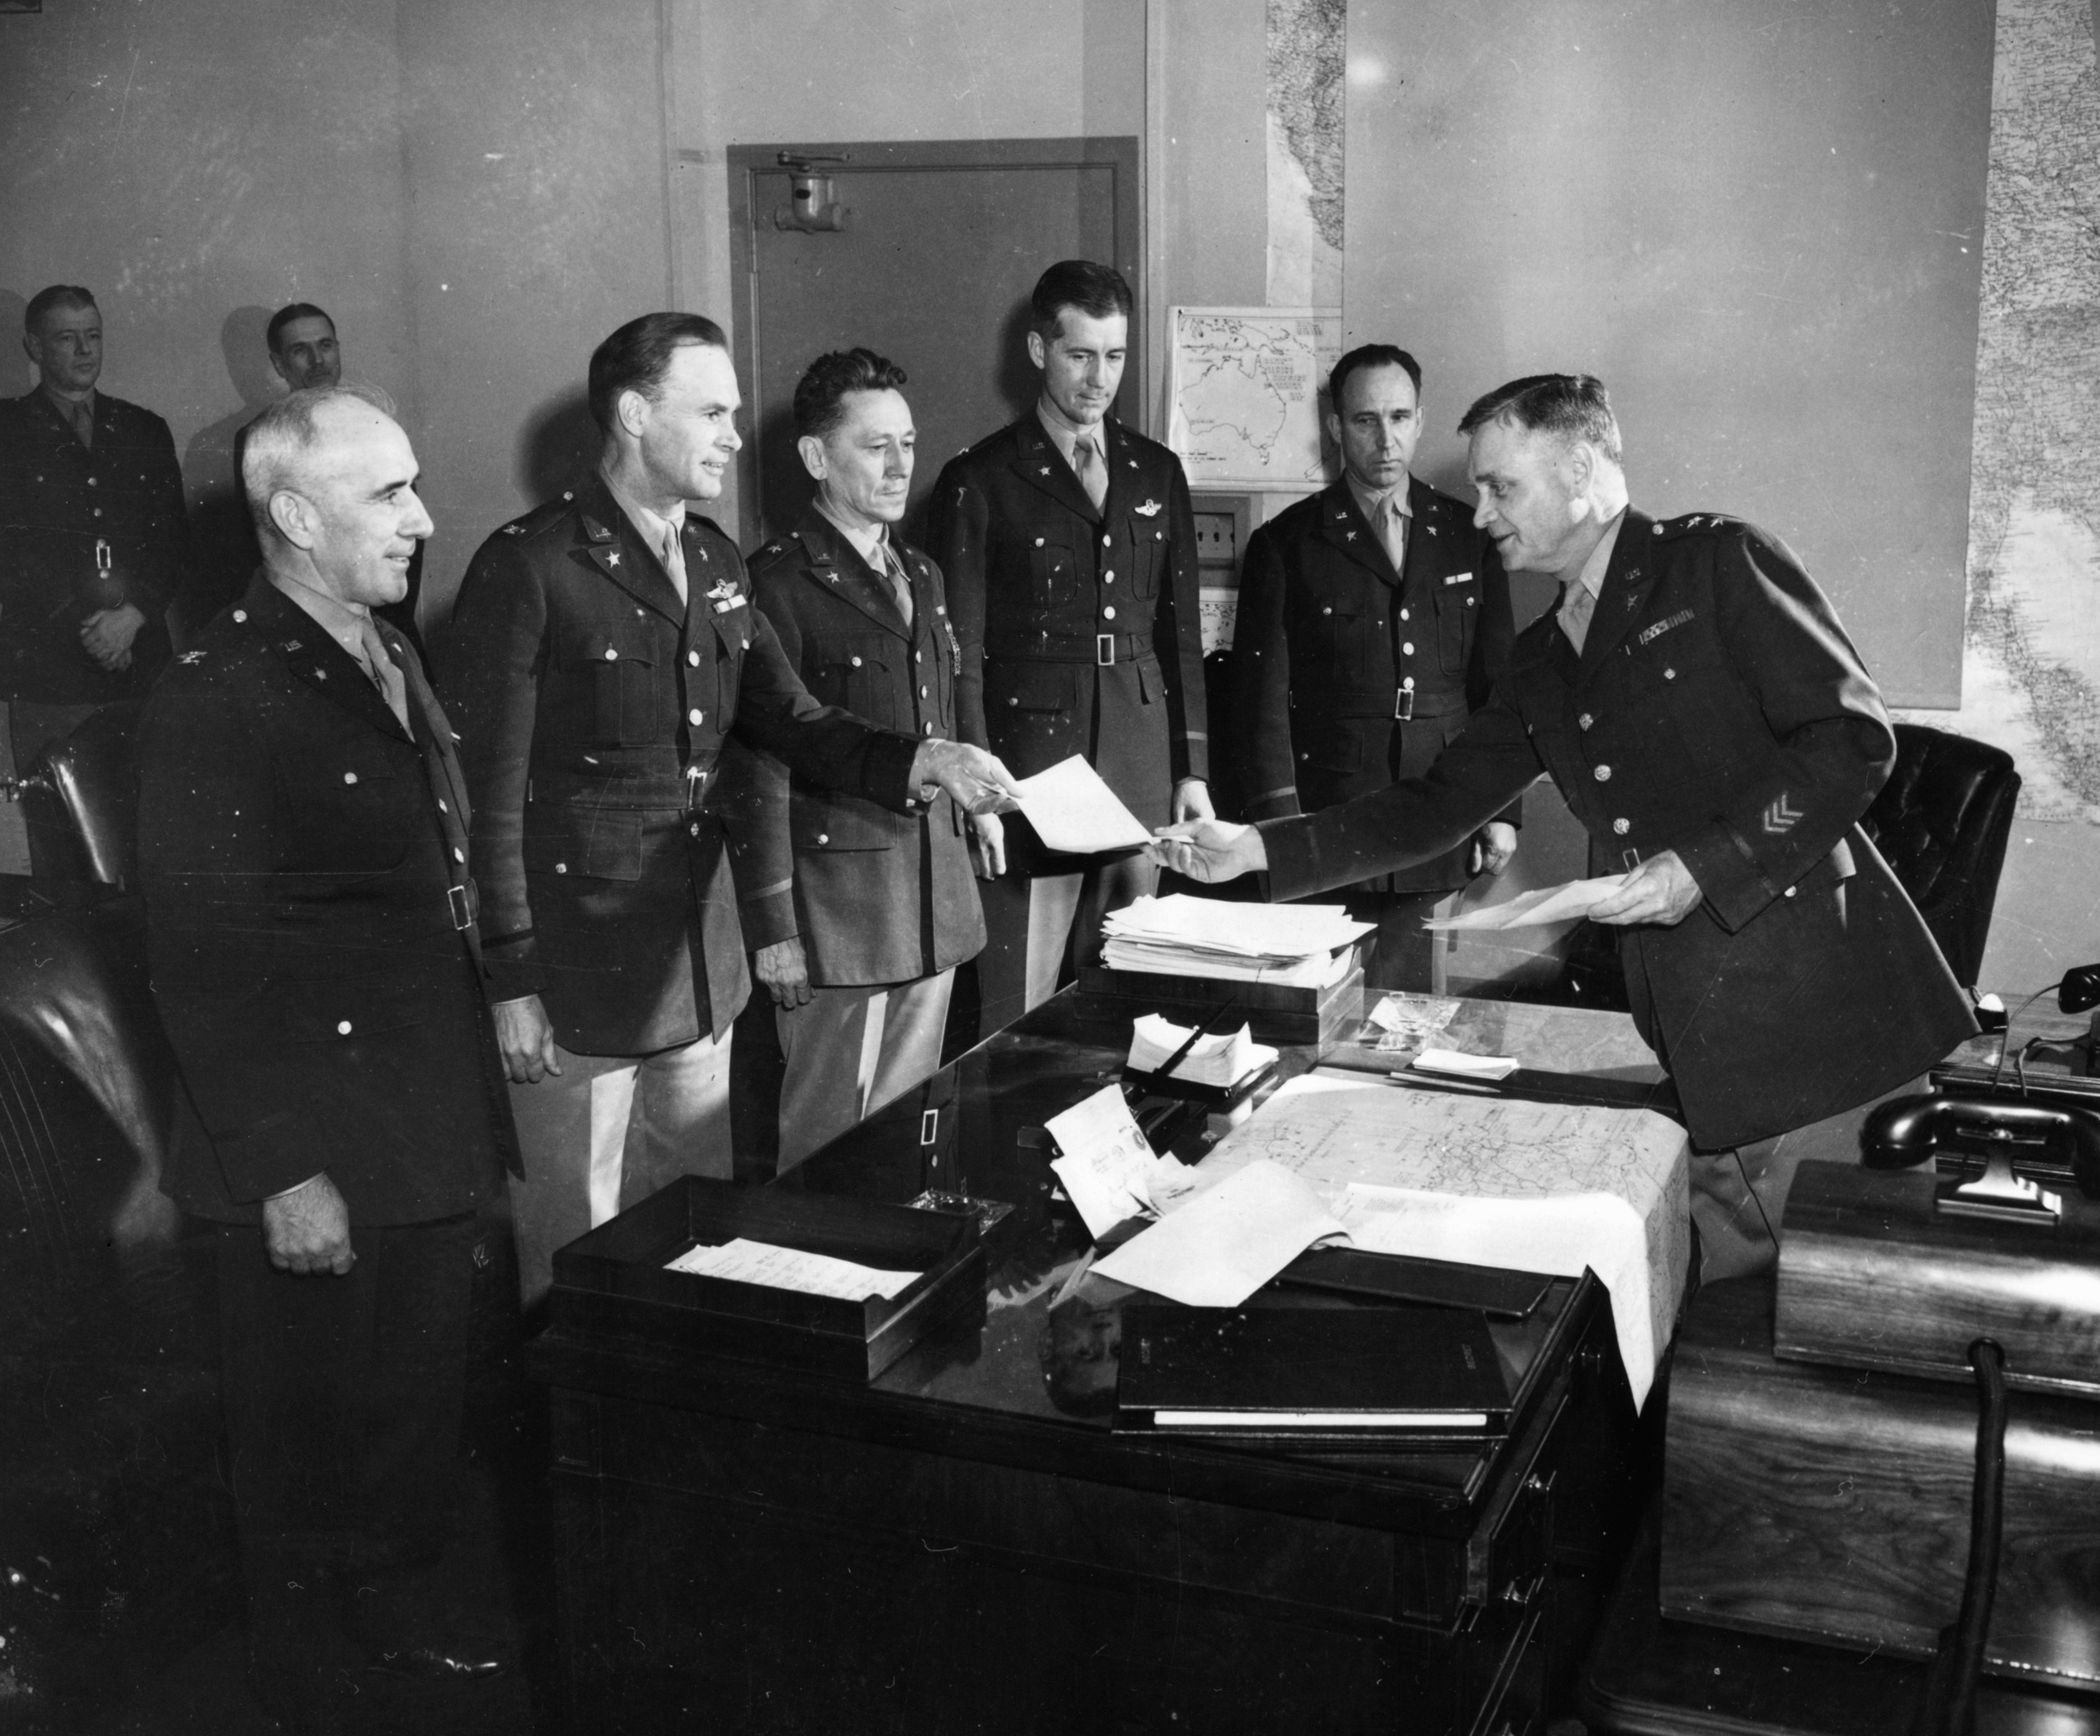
column 1202, row 1030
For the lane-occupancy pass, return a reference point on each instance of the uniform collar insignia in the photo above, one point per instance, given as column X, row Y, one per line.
column 291, row 644
column 613, row 559
column 189, row 657
column 594, row 530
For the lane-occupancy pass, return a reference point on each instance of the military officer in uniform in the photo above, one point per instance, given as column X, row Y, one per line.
column 602, row 650
column 302, row 851
column 1069, row 549
column 1373, row 618
column 94, row 539
column 856, row 917
column 1700, row 707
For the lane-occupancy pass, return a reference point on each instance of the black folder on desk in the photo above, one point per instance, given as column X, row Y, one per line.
column 1387, row 1378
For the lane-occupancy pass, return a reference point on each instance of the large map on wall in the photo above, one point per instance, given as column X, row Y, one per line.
column 2031, row 650
column 1244, row 394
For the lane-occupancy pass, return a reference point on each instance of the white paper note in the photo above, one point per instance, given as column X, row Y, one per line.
column 1563, row 903
column 749, row 1262
column 1227, row 1241
column 1071, row 809
column 1107, row 1164
column 1463, row 1066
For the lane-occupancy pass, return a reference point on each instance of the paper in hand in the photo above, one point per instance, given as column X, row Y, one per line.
column 1567, row 902
column 1072, row 810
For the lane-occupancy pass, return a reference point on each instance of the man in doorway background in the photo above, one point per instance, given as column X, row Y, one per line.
column 1069, row 550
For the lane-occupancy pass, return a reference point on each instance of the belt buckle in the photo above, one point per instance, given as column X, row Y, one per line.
column 1403, row 705
column 1104, row 650
column 462, row 907
column 695, row 789
column 1630, row 859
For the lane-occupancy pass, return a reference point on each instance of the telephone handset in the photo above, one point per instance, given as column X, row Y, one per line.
column 1982, row 1145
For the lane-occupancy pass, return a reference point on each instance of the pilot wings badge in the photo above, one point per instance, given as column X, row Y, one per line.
column 725, row 597
column 1149, row 510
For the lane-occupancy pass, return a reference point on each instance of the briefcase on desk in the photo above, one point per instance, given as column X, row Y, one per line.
column 1823, row 1430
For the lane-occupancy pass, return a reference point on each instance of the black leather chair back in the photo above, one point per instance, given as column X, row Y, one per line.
column 86, row 786
column 1942, row 821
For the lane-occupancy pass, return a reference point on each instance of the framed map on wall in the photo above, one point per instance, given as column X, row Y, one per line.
column 1244, row 395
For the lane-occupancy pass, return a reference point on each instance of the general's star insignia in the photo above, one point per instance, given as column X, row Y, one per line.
column 613, row 559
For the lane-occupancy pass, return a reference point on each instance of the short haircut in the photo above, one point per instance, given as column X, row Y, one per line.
column 637, row 356
column 275, row 445
column 1570, row 406
column 57, row 296
column 286, row 314
column 1370, row 356
column 820, row 395
column 1098, row 291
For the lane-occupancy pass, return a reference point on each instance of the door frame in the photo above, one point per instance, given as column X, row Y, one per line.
column 1120, row 154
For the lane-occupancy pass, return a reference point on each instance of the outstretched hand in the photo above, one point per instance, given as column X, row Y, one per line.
column 1660, row 891
column 1209, row 850
column 976, row 779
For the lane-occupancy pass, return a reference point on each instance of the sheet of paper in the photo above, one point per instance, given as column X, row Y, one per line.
column 1226, row 1241
column 1413, row 1015
column 1339, row 1131
column 749, row 1262
column 1072, row 809
column 1107, row 1164
column 1563, row 903
column 1461, row 1066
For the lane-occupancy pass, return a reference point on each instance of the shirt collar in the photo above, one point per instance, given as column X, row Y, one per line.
column 1063, row 435
column 868, row 544
column 1591, row 578
column 64, row 406
column 342, row 622
column 651, row 524
column 1373, row 501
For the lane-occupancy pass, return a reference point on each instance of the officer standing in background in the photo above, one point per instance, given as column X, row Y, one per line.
column 1069, row 550
column 1373, row 620
column 856, row 917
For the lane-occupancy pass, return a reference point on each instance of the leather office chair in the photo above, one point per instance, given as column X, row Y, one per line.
column 85, row 789
column 1942, row 822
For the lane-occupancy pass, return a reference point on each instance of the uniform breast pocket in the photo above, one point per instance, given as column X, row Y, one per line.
column 1053, row 575
column 855, row 673
column 1341, row 642
column 617, row 672
column 1148, row 556
column 1457, row 618
column 375, row 812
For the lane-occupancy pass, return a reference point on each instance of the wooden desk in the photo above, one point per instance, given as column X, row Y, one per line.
column 963, row 1545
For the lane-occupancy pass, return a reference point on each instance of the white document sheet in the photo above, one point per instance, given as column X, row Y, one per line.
column 1226, row 1241
column 1462, row 1066
column 778, row 1268
column 1108, row 1165
column 1562, row 903
column 1072, row 809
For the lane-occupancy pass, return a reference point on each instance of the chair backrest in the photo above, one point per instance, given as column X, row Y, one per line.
column 1942, row 821
column 91, row 779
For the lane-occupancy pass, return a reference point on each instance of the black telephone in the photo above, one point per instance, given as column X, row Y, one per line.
column 1995, row 1151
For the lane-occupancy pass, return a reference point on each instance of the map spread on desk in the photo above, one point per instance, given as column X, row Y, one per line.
column 1537, row 1187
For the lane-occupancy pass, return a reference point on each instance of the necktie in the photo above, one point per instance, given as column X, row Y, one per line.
column 893, row 570
column 84, row 425
column 385, row 673
column 674, row 560
column 1395, row 530
column 1091, row 469
column 1576, row 607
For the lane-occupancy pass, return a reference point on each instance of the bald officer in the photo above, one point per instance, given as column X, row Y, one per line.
column 1698, row 704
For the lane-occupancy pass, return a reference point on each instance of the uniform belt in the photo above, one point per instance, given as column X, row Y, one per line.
column 1102, row 649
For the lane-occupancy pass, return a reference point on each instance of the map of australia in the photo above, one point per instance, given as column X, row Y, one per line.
column 1246, row 395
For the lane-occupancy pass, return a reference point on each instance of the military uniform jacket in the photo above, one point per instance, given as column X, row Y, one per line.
column 1350, row 675
column 592, row 707
column 877, row 897
column 1717, row 710
column 58, row 498
column 308, row 922
column 1080, row 632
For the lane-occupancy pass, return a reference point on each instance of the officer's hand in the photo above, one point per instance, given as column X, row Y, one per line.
column 1209, row 850
column 1660, row 891
column 783, row 968
column 973, row 777
column 991, row 845
column 307, row 1231
column 106, row 635
column 1493, row 845
column 1192, row 801
column 526, row 1039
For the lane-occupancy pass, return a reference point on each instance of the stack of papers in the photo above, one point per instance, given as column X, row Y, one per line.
column 1298, row 945
column 1223, row 1058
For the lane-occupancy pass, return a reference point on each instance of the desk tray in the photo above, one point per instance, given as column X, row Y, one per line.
column 1275, row 1012
column 614, row 1279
